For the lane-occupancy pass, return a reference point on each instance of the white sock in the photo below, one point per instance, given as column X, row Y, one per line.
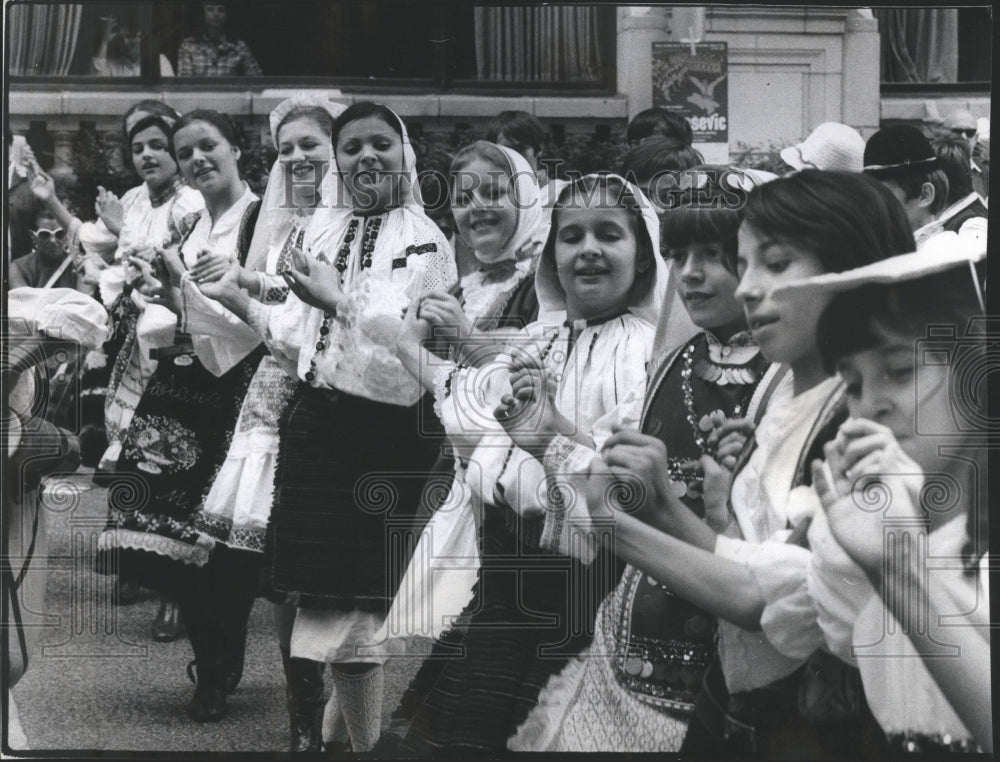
column 360, row 699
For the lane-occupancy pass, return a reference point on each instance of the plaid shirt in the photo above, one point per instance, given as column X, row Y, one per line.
column 204, row 57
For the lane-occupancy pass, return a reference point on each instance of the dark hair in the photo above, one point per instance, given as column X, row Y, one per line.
column 610, row 191
column 519, row 128
column 145, row 123
column 706, row 214
column 435, row 194
column 855, row 322
column 658, row 154
column 128, row 28
column 42, row 213
column 659, row 121
column 220, row 121
column 320, row 115
column 912, row 184
column 846, row 219
column 956, row 162
column 155, row 108
column 852, row 320
column 363, row 110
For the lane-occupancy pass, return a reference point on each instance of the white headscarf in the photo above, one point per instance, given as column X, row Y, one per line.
column 275, row 219
column 336, row 210
column 552, row 298
column 527, row 197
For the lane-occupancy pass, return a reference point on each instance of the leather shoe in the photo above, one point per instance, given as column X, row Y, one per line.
column 168, row 626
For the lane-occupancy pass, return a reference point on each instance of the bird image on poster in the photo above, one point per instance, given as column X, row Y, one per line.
column 692, row 81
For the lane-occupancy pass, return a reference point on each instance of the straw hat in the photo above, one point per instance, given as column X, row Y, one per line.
column 831, row 146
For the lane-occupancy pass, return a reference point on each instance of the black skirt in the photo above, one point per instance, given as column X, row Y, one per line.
column 350, row 480
column 531, row 612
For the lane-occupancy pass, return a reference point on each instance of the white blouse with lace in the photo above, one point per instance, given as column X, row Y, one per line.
column 359, row 352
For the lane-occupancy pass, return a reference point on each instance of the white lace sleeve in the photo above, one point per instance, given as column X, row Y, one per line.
column 283, row 329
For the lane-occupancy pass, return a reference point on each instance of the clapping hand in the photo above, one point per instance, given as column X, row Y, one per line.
column 210, row 267
column 156, row 286
column 314, row 282
column 866, row 474
column 109, row 208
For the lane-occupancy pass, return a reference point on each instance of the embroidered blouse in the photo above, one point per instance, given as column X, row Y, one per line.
column 388, row 260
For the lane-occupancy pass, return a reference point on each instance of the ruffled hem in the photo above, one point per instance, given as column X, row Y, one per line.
column 242, row 492
column 540, row 728
column 126, row 539
column 336, row 637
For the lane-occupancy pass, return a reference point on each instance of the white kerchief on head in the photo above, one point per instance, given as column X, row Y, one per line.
column 552, row 298
column 275, row 218
column 527, row 197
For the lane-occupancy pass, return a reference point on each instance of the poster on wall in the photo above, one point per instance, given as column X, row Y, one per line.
column 693, row 82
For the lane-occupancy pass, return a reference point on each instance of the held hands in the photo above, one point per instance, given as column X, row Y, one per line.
column 528, row 414
column 866, row 474
column 442, row 310
column 642, row 459
column 415, row 328
column 723, row 446
column 314, row 282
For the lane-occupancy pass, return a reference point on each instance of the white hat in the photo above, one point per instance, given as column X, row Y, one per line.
column 831, row 146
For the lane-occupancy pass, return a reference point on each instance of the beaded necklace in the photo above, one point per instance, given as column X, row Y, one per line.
column 367, row 248
column 683, row 480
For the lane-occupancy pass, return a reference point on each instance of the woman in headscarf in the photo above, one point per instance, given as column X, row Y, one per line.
column 352, row 457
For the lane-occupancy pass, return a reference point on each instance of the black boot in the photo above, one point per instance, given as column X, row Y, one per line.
column 208, row 704
column 169, row 625
column 304, row 692
column 238, row 579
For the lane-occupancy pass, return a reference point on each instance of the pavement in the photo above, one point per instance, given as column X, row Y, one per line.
column 97, row 682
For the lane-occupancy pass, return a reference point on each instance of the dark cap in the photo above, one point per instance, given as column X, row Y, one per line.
column 899, row 150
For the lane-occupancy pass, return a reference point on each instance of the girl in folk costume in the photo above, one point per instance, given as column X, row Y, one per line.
column 238, row 505
column 600, row 286
column 633, row 688
column 498, row 213
column 338, row 495
column 181, row 428
column 152, row 213
column 755, row 698
column 912, row 447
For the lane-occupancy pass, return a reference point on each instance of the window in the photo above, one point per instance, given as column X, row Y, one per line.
column 346, row 44
column 934, row 47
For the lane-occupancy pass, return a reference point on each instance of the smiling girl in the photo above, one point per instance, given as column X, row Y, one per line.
column 634, row 687
column 498, row 211
column 179, row 434
column 371, row 251
column 600, row 287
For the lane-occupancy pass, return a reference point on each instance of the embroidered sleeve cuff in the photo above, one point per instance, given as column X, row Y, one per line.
column 558, row 453
column 442, row 385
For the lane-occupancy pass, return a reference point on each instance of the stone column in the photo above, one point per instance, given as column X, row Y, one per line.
column 639, row 26
column 861, row 97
